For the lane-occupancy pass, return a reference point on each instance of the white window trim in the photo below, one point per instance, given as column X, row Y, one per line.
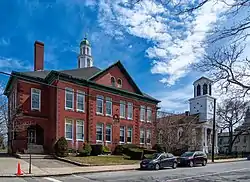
column 72, row 123
column 110, row 133
column 110, row 101
column 32, row 108
column 97, row 98
column 124, row 138
column 131, row 129
column 130, row 104
column 124, row 104
column 144, row 113
column 81, row 94
column 149, row 109
column 98, row 141
column 71, row 92
column 82, row 130
column 143, row 136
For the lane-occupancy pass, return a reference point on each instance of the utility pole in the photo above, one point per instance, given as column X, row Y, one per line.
column 214, row 131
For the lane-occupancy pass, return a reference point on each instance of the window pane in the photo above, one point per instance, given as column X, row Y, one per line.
column 68, row 130
column 99, row 104
column 69, row 99
column 35, row 96
column 122, row 109
column 108, row 106
column 130, row 110
column 99, row 132
column 80, row 130
column 142, row 113
column 80, row 101
column 108, row 133
column 122, row 134
column 149, row 114
column 142, row 136
column 129, row 135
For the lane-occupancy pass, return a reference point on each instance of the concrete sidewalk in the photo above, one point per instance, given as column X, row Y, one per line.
column 8, row 168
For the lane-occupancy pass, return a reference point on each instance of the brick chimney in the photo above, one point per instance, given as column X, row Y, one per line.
column 38, row 55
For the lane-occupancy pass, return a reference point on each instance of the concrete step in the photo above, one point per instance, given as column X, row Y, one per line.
column 34, row 149
column 34, row 156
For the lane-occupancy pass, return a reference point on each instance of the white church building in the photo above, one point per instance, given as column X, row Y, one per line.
column 203, row 104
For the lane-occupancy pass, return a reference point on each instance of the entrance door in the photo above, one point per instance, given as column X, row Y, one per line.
column 31, row 136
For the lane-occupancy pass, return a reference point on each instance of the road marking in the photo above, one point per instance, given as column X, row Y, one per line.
column 51, row 179
column 203, row 175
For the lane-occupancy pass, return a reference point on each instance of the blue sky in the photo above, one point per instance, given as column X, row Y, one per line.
column 155, row 46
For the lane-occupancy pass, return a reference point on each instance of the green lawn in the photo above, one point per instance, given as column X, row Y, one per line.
column 103, row 160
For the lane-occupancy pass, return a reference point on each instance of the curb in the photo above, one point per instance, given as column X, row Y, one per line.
column 71, row 162
column 65, row 174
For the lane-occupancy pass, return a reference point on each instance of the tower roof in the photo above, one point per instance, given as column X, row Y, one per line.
column 85, row 42
column 203, row 78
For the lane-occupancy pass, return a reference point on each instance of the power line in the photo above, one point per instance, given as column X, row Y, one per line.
column 73, row 91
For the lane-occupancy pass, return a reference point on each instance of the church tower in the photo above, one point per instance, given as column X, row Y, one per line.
column 202, row 103
column 85, row 59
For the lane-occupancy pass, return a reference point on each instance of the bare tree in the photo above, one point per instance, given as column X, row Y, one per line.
column 230, row 113
column 176, row 132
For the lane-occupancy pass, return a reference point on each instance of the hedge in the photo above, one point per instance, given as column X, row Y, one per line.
column 135, row 153
column 85, row 150
column 159, row 148
column 61, row 147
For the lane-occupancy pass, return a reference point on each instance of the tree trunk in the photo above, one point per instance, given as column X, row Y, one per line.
column 230, row 142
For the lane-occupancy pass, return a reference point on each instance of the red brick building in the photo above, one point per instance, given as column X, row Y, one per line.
column 85, row 104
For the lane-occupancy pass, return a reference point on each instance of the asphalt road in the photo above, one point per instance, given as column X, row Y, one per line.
column 220, row 172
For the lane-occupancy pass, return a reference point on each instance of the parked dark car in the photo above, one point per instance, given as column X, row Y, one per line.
column 159, row 160
column 192, row 158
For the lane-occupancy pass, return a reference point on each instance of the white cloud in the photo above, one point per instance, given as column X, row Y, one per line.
column 8, row 64
column 178, row 41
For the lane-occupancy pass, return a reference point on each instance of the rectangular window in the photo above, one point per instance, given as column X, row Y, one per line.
column 69, row 129
column 148, row 136
column 130, row 110
column 129, row 135
column 122, row 109
column 99, row 132
column 142, row 136
column 69, row 98
column 122, row 134
column 149, row 114
column 99, row 104
column 35, row 99
column 80, row 101
column 142, row 113
column 80, row 130
column 108, row 133
column 108, row 106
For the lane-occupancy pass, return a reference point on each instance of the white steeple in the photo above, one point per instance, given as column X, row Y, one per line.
column 202, row 103
column 85, row 59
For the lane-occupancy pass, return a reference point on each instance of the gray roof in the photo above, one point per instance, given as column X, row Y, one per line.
column 82, row 73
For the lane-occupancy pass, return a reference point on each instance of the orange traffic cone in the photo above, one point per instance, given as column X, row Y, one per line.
column 19, row 171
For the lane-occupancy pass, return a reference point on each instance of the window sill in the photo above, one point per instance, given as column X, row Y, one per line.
column 99, row 141
column 82, row 111
column 99, row 114
column 142, row 120
column 69, row 109
column 130, row 119
column 142, row 143
column 129, row 142
column 109, row 115
column 80, row 140
column 121, row 117
column 36, row 110
column 122, row 142
column 69, row 139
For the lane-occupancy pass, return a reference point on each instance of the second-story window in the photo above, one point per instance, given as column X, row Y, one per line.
column 122, row 109
column 69, row 98
column 119, row 83
column 99, row 104
column 112, row 81
column 108, row 106
column 130, row 110
column 80, row 101
column 149, row 114
column 142, row 113
column 35, row 99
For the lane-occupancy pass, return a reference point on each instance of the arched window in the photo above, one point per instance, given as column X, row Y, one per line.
column 204, row 89
column 87, row 51
column 210, row 89
column 113, row 81
column 119, row 83
column 198, row 90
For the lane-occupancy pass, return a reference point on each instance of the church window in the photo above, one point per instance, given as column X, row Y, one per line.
column 119, row 83
column 210, row 89
column 87, row 51
column 113, row 81
column 198, row 90
column 204, row 89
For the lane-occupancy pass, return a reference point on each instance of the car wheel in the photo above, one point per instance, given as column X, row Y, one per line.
column 204, row 163
column 191, row 164
column 174, row 165
column 157, row 166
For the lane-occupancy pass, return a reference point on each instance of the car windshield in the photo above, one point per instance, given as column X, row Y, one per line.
column 154, row 156
column 187, row 154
